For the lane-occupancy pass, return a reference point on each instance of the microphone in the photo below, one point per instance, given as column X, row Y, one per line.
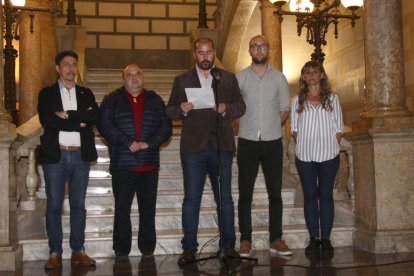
column 215, row 73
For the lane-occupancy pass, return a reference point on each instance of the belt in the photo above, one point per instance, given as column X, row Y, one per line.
column 70, row 148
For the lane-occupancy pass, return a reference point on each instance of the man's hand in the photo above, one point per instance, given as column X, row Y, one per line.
column 61, row 114
column 221, row 108
column 137, row 146
column 186, row 107
column 143, row 145
column 134, row 147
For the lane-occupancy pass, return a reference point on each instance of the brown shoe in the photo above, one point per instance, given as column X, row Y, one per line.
column 245, row 248
column 80, row 258
column 279, row 247
column 232, row 253
column 188, row 256
column 55, row 261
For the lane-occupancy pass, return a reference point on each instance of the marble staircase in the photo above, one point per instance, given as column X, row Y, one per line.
column 100, row 204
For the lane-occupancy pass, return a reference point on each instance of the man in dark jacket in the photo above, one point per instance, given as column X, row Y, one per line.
column 67, row 112
column 134, row 123
column 198, row 146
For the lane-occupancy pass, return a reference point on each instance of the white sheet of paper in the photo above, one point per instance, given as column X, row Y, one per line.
column 200, row 97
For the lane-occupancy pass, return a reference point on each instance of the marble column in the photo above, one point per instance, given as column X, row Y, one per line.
column 383, row 140
column 35, row 65
column 11, row 253
column 271, row 28
column 48, row 44
column 384, row 62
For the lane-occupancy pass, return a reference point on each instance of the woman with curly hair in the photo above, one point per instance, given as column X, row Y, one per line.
column 317, row 128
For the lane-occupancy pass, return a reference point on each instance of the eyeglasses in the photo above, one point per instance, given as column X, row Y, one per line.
column 259, row 47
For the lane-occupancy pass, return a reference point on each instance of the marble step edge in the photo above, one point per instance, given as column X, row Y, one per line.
column 173, row 199
column 163, row 177
column 171, row 192
column 172, row 220
column 146, row 71
column 149, row 81
column 173, row 211
column 99, row 245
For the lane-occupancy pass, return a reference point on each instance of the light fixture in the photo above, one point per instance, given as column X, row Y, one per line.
column 13, row 10
column 316, row 16
column 301, row 6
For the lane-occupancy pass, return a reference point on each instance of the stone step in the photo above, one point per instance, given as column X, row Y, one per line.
column 172, row 144
column 99, row 91
column 166, row 155
column 171, row 219
column 174, row 198
column 118, row 83
column 117, row 72
column 102, row 185
column 98, row 78
column 167, row 167
column 99, row 244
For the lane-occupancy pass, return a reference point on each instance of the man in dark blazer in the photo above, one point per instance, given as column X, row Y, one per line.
column 67, row 112
column 198, row 146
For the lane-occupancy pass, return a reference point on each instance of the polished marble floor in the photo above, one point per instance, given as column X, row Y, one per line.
column 346, row 261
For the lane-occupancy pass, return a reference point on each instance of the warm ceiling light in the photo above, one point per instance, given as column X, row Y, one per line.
column 301, row 6
column 352, row 4
column 278, row 2
column 19, row 3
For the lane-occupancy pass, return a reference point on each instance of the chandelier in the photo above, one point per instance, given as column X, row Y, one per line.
column 316, row 16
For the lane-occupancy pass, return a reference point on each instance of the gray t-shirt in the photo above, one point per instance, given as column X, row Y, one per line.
column 264, row 97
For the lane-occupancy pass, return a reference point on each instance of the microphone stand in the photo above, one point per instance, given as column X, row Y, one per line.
column 221, row 254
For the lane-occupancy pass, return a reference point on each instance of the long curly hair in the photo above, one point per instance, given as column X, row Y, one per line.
column 324, row 84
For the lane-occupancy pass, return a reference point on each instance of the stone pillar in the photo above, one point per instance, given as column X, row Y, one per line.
column 48, row 44
column 383, row 141
column 272, row 30
column 384, row 64
column 30, row 64
column 11, row 253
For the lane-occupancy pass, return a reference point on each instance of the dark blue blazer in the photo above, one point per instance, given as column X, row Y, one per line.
column 49, row 102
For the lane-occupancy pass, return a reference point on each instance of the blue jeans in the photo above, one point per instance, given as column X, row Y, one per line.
column 72, row 169
column 195, row 168
column 318, row 179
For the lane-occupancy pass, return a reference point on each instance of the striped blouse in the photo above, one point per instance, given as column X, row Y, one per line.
column 316, row 130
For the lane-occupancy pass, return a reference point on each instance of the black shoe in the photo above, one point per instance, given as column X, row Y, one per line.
column 147, row 257
column 327, row 248
column 121, row 257
column 314, row 246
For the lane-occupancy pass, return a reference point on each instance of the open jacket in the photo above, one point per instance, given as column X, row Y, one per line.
column 199, row 127
column 49, row 102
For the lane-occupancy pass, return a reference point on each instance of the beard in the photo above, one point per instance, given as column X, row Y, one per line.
column 205, row 64
column 262, row 60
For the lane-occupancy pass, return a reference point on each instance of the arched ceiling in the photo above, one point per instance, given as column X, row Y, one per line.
column 246, row 24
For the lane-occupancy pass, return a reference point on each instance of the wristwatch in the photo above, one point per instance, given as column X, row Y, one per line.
column 66, row 115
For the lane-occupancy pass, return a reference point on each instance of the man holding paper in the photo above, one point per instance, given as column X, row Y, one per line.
column 192, row 101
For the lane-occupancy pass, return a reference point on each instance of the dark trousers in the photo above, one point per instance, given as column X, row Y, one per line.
column 318, row 179
column 125, row 185
column 270, row 155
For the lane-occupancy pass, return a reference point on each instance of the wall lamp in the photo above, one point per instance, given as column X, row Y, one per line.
column 316, row 16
